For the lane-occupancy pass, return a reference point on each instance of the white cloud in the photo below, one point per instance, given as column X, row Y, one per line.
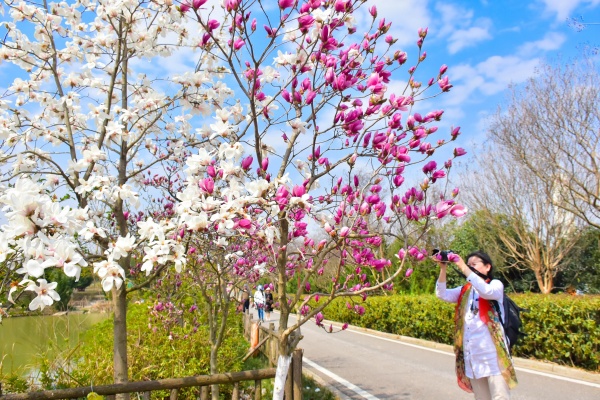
column 499, row 72
column 563, row 8
column 489, row 77
column 407, row 16
column 552, row 41
column 468, row 38
column 460, row 28
column 452, row 16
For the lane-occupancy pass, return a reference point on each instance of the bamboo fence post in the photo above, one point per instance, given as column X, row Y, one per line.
column 257, row 390
column 204, row 393
column 236, row 391
column 289, row 382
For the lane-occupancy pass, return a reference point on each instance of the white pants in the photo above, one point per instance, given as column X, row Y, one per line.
column 490, row 388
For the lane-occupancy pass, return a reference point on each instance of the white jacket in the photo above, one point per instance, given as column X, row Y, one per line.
column 259, row 298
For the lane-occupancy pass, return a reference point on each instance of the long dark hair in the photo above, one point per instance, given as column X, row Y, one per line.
column 486, row 260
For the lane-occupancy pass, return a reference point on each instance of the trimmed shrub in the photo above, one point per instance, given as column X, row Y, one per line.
column 560, row 328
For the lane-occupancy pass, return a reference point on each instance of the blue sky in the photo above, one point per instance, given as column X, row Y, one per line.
column 486, row 44
column 489, row 45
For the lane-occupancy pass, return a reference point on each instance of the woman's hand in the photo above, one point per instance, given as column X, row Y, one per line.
column 442, row 264
column 455, row 258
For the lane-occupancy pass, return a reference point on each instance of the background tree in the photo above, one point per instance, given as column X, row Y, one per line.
column 514, row 204
column 476, row 233
column 582, row 267
column 551, row 127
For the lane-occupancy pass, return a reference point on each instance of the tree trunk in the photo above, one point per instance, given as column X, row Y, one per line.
column 282, row 277
column 213, row 370
column 120, row 338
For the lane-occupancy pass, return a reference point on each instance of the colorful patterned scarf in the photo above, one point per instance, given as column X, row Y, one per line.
column 488, row 316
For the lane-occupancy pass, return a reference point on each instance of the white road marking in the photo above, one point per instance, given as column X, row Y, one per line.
column 562, row 378
column 340, row 380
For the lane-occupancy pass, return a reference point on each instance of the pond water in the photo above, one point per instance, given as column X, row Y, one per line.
column 25, row 340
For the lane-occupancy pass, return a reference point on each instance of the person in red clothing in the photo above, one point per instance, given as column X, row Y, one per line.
column 483, row 363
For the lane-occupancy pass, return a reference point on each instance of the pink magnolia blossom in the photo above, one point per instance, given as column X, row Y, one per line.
column 319, row 319
column 429, row 167
column 207, row 185
column 444, row 84
column 298, row 191
column 452, row 257
column 458, row 210
column 184, row 7
column 212, row 24
column 244, row 223
column 443, row 208
column 459, row 151
column 247, row 162
column 344, row 232
column 455, row 132
column 283, row 4
column 231, row 5
column 238, row 44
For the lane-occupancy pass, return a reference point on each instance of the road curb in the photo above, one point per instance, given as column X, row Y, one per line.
column 536, row 365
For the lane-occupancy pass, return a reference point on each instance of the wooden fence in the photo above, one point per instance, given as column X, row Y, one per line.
column 268, row 339
column 146, row 387
column 268, row 342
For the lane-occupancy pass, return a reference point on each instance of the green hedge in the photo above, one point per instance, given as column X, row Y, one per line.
column 560, row 328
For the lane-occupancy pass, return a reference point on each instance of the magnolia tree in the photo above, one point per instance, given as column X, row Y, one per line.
column 251, row 123
column 314, row 106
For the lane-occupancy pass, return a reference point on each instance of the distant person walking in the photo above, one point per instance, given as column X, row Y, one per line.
column 483, row 363
column 259, row 302
column 245, row 298
column 268, row 303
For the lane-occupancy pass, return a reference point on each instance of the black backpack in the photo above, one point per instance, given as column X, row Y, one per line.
column 512, row 320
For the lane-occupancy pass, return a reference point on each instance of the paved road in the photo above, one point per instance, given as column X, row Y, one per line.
column 363, row 365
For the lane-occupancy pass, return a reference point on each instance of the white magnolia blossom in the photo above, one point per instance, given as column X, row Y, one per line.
column 297, row 125
column 258, row 187
column 125, row 192
column 33, row 268
column 195, row 222
column 90, row 229
column 285, row 59
column 231, row 151
column 65, row 256
column 151, row 230
column 154, row 255
column 5, row 246
column 234, row 190
column 198, row 162
column 122, row 247
column 111, row 273
column 260, row 268
column 46, row 295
